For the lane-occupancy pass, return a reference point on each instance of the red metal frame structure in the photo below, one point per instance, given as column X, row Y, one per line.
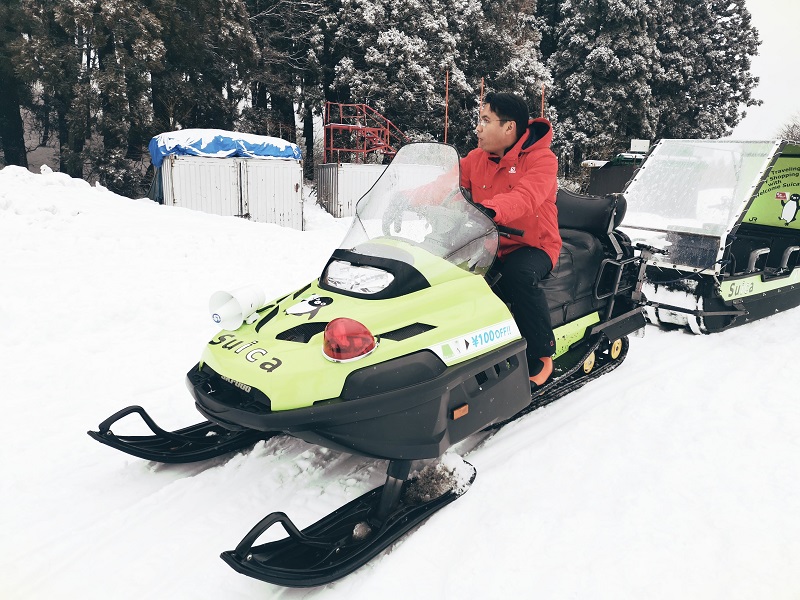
column 352, row 131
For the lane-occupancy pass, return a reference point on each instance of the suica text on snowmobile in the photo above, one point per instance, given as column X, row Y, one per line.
column 403, row 350
column 725, row 212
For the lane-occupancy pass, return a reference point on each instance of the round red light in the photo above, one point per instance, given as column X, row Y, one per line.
column 345, row 339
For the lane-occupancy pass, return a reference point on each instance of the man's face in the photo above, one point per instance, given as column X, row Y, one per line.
column 494, row 134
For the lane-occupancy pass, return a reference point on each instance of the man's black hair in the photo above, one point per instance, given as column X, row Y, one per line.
column 509, row 107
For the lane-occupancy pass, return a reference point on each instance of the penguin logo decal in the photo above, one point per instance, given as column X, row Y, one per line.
column 309, row 306
column 790, row 207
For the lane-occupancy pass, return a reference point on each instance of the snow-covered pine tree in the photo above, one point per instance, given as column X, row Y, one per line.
column 288, row 74
column 90, row 64
column 51, row 59
column 603, row 60
column 395, row 56
column 211, row 54
column 124, row 37
column 705, row 80
column 504, row 50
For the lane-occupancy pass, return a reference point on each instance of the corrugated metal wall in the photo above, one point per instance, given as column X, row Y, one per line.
column 340, row 186
column 274, row 191
column 209, row 185
column 269, row 191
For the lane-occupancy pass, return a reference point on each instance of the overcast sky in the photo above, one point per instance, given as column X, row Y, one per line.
column 778, row 24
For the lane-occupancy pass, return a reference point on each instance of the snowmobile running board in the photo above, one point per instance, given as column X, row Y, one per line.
column 571, row 380
column 345, row 539
column 197, row 442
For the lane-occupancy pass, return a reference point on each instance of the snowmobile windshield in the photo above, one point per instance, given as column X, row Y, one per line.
column 689, row 194
column 417, row 203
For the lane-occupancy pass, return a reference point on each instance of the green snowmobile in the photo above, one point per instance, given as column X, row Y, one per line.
column 398, row 351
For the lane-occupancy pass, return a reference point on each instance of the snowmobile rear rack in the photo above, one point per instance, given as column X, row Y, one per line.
column 344, row 540
column 197, row 442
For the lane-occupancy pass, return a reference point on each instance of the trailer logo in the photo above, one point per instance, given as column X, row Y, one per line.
column 790, row 206
column 230, row 343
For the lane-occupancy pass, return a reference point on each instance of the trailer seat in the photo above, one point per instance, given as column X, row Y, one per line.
column 749, row 239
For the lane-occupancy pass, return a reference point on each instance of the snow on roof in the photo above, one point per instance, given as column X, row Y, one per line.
column 221, row 144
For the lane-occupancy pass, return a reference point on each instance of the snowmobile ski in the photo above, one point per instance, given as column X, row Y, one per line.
column 197, row 442
column 345, row 539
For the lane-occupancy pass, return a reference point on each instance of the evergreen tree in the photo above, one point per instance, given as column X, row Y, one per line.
column 12, row 139
column 395, row 56
column 705, row 79
column 91, row 61
column 287, row 79
column 646, row 69
column 603, row 61
column 210, row 54
column 51, row 59
column 123, row 36
column 283, row 31
column 502, row 48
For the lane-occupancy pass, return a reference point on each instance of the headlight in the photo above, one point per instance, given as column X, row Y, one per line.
column 352, row 278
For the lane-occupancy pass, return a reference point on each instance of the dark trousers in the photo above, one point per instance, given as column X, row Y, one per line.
column 521, row 271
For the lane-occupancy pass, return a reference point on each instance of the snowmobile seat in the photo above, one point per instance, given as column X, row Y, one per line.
column 585, row 223
column 598, row 215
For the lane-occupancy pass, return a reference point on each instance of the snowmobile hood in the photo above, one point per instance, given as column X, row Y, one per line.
column 281, row 354
column 410, row 272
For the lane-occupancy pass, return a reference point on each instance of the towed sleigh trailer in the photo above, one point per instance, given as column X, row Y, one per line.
column 725, row 213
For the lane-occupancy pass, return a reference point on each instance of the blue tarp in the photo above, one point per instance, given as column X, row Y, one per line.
column 221, row 144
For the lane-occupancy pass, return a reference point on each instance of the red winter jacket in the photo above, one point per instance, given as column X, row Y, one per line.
column 520, row 187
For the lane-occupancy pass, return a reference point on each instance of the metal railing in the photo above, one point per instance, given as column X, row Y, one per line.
column 354, row 131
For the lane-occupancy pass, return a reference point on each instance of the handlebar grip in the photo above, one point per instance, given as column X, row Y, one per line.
column 509, row 231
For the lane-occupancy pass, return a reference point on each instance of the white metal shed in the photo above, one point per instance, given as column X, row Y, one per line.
column 230, row 174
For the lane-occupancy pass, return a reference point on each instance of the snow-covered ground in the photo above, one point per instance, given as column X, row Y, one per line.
column 675, row 476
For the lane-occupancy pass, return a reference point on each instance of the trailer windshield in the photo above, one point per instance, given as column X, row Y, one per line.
column 692, row 192
column 418, row 201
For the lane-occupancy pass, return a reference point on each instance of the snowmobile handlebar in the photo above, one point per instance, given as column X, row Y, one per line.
column 509, row 231
column 501, row 229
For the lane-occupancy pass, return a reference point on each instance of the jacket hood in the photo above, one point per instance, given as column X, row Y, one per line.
column 540, row 133
column 538, row 136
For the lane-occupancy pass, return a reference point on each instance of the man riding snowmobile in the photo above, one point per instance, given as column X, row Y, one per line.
column 512, row 174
